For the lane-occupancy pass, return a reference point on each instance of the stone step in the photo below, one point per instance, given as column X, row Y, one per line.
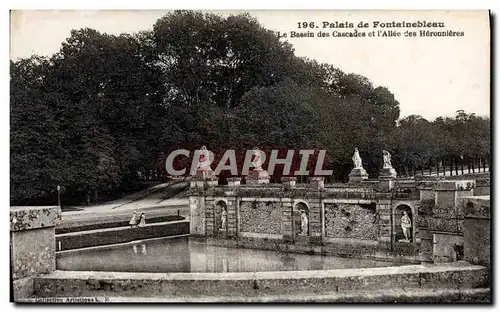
column 477, row 295
column 174, row 285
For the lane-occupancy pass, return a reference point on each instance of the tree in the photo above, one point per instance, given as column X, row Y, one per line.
column 211, row 60
column 106, row 107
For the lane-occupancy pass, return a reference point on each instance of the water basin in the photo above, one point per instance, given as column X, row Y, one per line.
column 184, row 255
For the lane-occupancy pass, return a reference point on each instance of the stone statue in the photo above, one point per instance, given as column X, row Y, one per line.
column 204, row 160
column 357, row 159
column 223, row 219
column 387, row 160
column 256, row 159
column 406, row 226
column 304, row 222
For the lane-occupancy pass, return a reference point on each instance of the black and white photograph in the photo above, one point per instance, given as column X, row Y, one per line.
column 258, row 156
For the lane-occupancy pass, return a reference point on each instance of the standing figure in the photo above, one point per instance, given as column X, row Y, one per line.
column 357, row 159
column 387, row 160
column 223, row 219
column 142, row 220
column 406, row 225
column 304, row 222
column 133, row 220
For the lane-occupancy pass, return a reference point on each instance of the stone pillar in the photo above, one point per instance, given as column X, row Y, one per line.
column 426, row 189
column 317, row 182
column 315, row 226
column 447, row 193
column 197, row 215
column 200, row 220
column 384, row 212
column 426, row 245
column 287, row 219
column 232, row 215
column 32, row 245
column 477, row 245
column 446, row 222
column 209, row 209
column 385, row 184
column 482, row 187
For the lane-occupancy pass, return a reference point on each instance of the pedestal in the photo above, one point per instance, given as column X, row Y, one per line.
column 387, row 174
column 317, row 182
column 204, row 178
column 358, row 175
column 257, row 177
column 289, row 182
column 32, row 246
column 234, row 182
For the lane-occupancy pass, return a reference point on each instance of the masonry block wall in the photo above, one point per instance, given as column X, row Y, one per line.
column 384, row 212
column 315, row 219
column 287, row 206
column 359, row 217
column 261, row 217
column 477, row 229
column 197, row 212
column 445, row 221
column 342, row 214
column 32, row 245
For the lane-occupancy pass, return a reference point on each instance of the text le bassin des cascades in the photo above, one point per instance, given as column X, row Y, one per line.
column 372, row 29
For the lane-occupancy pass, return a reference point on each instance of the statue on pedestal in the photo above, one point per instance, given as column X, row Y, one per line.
column 304, row 223
column 204, row 160
column 257, row 175
column 357, row 159
column 387, row 160
column 387, row 172
column 223, row 219
column 256, row 159
column 358, row 173
column 406, row 226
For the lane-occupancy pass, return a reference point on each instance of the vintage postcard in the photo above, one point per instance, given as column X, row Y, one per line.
column 250, row 156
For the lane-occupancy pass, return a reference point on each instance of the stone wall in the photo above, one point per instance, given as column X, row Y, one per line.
column 260, row 217
column 263, row 286
column 29, row 257
column 351, row 221
column 477, row 229
column 364, row 215
column 120, row 235
column 441, row 223
column 32, row 245
column 197, row 215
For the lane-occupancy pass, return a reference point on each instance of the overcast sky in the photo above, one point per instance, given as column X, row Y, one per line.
column 429, row 76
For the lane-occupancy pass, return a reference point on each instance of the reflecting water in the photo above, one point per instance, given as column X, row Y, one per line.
column 182, row 255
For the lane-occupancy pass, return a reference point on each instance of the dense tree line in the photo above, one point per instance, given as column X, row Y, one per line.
column 107, row 108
